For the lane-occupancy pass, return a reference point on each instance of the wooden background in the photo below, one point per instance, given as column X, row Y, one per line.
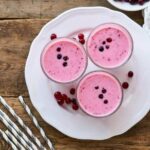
column 20, row 22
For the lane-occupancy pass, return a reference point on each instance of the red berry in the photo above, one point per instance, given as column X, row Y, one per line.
column 72, row 91
column 109, row 40
column 58, row 95
column 64, row 97
column 68, row 101
column 53, row 36
column 82, row 41
column 60, row 102
column 130, row 74
column 125, row 85
column 75, row 107
column 81, row 36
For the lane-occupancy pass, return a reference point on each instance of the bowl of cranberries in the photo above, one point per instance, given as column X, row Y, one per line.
column 130, row 5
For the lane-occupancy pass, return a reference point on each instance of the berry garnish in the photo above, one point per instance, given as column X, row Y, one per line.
column 104, row 91
column 96, row 87
column 64, row 96
column 58, row 49
column 72, row 91
column 105, row 101
column 103, row 42
column 75, row 107
column 109, row 40
column 60, row 102
column 130, row 74
column 74, row 101
column 65, row 58
column 68, row 100
column 65, row 64
column 58, row 95
column 81, row 36
column 82, row 41
column 53, row 36
column 59, row 56
column 125, row 85
column 107, row 46
column 101, row 96
column 101, row 48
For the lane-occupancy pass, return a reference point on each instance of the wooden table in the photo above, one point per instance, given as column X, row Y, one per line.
column 20, row 22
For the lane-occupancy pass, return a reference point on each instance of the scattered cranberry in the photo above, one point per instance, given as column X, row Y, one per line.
column 59, row 56
column 104, row 91
column 101, row 96
column 74, row 101
column 64, row 96
column 109, row 40
column 72, row 91
column 75, row 107
column 130, row 74
column 58, row 95
column 53, row 36
column 65, row 64
column 101, row 48
column 81, row 36
column 68, row 101
column 105, row 101
column 96, row 87
column 58, row 49
column 65, row 58
column 60, row 102
column 82, row 41
column 125, row 85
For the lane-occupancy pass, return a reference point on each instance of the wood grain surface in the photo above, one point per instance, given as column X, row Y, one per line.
column 20, row 22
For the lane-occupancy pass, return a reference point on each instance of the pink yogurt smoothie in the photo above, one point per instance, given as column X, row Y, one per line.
column 63, row 60
column 99, row 94
column 109, row 45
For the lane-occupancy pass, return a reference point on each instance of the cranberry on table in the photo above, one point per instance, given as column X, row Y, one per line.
column 75, row 107
column 53, row 36
column 82, row 41
column 125, row 85
column 60, row 102
column 72, row 91
column 130, row 74
column 81, row 36
column 58, row 95
column 68, row 101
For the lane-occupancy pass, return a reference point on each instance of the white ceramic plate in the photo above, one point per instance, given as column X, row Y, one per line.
column 128, row 7
column 77, row 124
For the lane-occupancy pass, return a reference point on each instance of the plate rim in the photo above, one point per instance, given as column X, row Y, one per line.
column 138, row 118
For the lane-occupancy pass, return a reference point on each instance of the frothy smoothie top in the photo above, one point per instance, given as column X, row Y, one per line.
column 63, row 60
column 99, row 94
column 109, row 45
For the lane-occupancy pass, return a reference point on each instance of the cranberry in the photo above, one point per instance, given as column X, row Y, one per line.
column 72, row 91
column 104, row 91
column 81, row 36
column 107, row 46
column 58, row 95
column 75, row 107
column 58, row 49
column 130, row 74
column 64, row 96
column 109, row 40
column 103, row 42
column 65, row 64
column 59, row 56
column 96, row 87
column 53, row 36
column 68, row 101
column 60, row 102
column 105, row 101
column 101, row 48
column 101, row 96
column 125, row 85
column 82, row 41
column 65, row 58
column 74, row 101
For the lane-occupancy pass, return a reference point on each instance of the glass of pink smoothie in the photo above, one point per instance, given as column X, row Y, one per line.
column 99, row 94
column 110, row 45
column 63, row 60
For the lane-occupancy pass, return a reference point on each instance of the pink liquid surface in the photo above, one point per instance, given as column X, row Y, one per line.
column 112, row 53
column 53, row 59
column 99, row 94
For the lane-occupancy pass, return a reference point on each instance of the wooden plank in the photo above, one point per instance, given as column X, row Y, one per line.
column 49, row 8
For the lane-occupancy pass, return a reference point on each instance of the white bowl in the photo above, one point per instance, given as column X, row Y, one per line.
column 128, row 7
